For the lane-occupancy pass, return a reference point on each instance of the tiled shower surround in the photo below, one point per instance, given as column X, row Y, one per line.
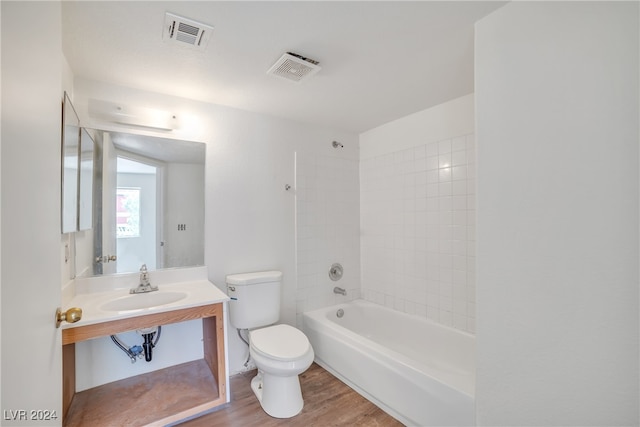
column 418, row 231
column 402, row 224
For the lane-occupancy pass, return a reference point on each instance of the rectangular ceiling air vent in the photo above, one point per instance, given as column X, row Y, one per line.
column 186, row 31
column 294, row 67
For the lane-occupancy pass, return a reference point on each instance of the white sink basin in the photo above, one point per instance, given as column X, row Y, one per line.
column 145, row 300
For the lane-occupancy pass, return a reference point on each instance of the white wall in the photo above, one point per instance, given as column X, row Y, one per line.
column 0, row 230
column 249, row 216
column 100, row 361
column 444, row 121
column 250, row 224
column 417, row 214
column 557, row 285
column 31, row 274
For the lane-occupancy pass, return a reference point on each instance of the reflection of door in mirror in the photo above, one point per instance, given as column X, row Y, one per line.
column 104, row 237
column 85, row 197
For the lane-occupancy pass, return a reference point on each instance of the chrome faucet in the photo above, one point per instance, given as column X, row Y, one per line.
column 145, row 284
column 340, row 291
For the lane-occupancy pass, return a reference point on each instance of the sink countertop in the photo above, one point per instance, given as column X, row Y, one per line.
column 199, row 292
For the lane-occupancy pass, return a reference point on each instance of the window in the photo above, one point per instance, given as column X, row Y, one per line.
column 128, row 212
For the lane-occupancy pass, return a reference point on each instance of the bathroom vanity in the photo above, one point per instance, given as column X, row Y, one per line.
column 159, row 397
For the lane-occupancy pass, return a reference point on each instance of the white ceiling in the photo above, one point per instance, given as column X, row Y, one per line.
column 380, row 60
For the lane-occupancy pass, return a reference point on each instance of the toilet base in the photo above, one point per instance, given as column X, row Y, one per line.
column 280, row 397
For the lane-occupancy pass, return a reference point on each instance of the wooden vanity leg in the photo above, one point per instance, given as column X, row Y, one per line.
column 213, row 332
column 68, row 377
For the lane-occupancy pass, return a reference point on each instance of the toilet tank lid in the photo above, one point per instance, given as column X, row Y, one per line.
column 252, row 278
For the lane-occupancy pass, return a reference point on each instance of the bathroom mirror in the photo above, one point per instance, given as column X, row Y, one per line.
column 148, row 204
column 70, row 163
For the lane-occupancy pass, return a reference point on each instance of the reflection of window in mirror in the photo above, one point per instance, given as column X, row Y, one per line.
column 139, row 190
column 128, row 212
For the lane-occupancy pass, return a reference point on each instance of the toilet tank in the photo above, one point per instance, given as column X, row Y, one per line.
column 255, row 298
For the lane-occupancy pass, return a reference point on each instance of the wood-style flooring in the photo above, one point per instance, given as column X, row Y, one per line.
column 327, row 402
column 145, row 399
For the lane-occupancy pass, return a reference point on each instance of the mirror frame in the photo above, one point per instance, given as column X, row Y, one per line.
column 70, row 186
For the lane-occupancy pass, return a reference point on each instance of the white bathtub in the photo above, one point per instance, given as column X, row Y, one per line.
column 420, row 372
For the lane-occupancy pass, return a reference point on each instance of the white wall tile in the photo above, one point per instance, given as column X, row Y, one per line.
column 444, row 146
column 459, row 144
column 444, row 160
column 418, row 221
column 416, row 208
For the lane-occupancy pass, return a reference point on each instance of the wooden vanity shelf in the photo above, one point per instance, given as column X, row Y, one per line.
column 156, row 398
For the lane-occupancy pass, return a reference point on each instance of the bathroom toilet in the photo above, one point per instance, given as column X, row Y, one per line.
column 280, row 352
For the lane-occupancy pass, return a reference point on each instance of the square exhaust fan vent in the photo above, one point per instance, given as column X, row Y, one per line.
column 294, row 67
column 186, row 32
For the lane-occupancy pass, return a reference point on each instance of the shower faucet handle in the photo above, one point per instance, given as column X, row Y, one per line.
column 335, row 272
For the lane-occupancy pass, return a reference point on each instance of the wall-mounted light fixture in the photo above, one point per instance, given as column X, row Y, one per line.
column 133, row 116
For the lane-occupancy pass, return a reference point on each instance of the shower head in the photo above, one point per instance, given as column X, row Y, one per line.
column 336, row 144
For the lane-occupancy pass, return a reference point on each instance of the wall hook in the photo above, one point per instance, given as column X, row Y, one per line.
column 287, row 187
column 336, row 144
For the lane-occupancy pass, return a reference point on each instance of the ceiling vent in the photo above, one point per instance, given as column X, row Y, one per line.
column 294, row 67
column 186, row 32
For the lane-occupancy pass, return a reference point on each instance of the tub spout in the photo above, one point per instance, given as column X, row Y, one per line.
column 340, row 291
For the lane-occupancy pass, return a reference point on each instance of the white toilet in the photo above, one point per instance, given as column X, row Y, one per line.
column 280, row 352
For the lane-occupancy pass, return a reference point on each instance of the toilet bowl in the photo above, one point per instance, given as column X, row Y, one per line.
column 281, row 353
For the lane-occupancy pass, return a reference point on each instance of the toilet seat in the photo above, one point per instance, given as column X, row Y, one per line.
column 280, row 342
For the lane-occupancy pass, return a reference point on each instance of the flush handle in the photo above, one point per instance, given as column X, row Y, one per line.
column 72, row 315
